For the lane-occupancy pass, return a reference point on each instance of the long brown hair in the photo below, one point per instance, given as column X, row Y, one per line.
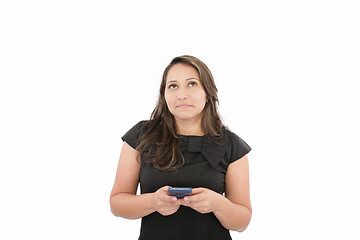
column 160, row 142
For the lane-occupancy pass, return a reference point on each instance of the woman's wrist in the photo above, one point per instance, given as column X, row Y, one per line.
column 220, row 203
column 152, row 202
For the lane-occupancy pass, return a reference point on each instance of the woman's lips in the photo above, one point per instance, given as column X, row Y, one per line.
column 183, row 106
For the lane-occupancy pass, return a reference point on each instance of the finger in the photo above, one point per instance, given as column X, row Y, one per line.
column 192, row 198
column 171, row 199
column 185, row 201
column 167, row 198
column 187, row 204
column 197, row 190
column 165, row 188
column 174, row 202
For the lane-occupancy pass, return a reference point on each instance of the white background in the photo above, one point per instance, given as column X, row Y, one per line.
column 76, row 75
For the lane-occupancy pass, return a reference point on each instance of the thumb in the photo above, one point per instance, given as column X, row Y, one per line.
column 197, row 190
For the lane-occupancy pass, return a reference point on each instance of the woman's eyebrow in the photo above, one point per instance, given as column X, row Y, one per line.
column 172, row 81
column 191, row 78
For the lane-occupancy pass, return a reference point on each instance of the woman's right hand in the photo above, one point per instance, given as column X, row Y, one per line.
column 165, row 204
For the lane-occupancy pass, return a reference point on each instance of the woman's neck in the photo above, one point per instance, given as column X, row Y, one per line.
column 189, row 128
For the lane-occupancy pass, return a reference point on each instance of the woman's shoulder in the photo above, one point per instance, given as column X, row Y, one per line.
column 143, row 126
column 230, row 135
column 138, row 126
column 132, row 135
column 236, row 146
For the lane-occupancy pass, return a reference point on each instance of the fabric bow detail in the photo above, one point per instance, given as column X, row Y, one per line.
column 212, row 152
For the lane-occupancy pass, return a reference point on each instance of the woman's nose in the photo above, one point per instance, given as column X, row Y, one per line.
column 182, row 95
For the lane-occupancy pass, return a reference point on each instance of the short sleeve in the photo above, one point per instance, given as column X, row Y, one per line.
column 239, row 147
column 133, row 134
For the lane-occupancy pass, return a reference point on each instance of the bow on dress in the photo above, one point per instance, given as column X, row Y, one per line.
column 214, row 153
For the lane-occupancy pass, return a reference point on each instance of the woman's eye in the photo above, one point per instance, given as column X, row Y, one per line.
column 172, row 86
column 192, row 84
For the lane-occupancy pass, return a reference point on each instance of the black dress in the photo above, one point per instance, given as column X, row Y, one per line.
column 205, row 166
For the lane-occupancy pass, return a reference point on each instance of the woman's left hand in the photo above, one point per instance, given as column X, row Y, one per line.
column 203, row 200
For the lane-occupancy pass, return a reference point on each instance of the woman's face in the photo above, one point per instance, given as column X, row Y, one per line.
column 184, row 94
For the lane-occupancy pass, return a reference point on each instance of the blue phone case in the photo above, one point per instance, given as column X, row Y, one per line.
column 179, row 192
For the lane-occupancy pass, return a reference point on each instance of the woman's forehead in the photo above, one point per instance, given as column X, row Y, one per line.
column 182, row 72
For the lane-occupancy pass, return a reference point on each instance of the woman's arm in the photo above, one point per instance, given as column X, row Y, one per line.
column 233, row 211
column 123, row 199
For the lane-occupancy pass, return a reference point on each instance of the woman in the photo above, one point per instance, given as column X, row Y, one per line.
column 184, row 144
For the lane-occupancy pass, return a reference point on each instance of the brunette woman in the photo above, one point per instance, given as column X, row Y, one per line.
column 184, row 144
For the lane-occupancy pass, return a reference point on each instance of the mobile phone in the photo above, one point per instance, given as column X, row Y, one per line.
column 180, row 192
